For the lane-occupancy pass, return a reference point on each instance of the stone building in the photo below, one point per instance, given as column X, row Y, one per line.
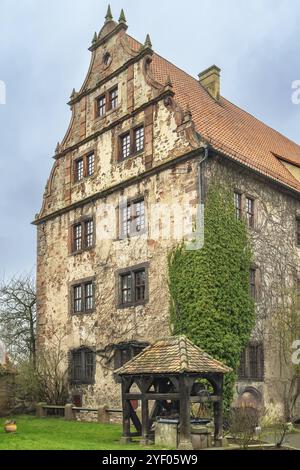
column 145, row 139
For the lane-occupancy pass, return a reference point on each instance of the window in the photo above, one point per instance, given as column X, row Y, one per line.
column 133, row 289
column 89, row 296
column 298, row 231
column 124, row 352
column 238, row 205
column 133, row 219
column 250, row 211
column 252, row 362
column 139, row 139
column 84, row 167
column 83, row 235
column 90, row 164
column 77, row 299
column 89, row 233
column 79, row 169
column 83, row 297
column 113, row 98
column 125, row 146
column 77, row 232
column 108, row 101
column 126, row 289
column 101, row 105
column 253, row 283
column 132, row 142
column 83, row 366
column 140, row 285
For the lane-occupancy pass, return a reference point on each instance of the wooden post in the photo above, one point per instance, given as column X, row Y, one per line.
column 185, row 442
column 69, row 413
column 103, row 415
column 40, row 410
column 145, row 422
column 218, row 410
column 126, row 413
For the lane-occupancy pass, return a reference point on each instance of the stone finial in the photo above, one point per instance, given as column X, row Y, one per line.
column 148, row 43
column 95, row 38
column 168, row 83
column 73, row 94
column 122, row 18
column 57, row 150
column 108, row 16
column 187, row 115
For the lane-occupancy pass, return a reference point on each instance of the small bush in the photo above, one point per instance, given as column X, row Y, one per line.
column 242, row 424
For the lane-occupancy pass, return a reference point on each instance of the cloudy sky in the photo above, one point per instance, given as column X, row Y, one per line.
column 43, row 55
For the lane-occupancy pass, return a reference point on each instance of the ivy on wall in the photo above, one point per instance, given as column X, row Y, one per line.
column 210, row 298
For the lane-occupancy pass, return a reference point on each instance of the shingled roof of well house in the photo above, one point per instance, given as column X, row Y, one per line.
column 229, row 129
column 173, row 355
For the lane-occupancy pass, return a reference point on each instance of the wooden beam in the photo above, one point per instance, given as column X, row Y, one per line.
column 211, row 399
column 152, row 396
column 185, row 442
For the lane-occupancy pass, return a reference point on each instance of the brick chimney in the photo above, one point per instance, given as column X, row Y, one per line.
column 210, row 80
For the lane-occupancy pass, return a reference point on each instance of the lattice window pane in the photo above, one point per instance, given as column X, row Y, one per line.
column 101, row 106
column 89, row 366
column 77, row 365
column 113, row 98
column 77, row 237
column 125, row 146
column 126, row 221
column 140, row 285
column 250, row 211
column 126, row 289
column 77, row 299
column 89, row 296
column 91, row 164
column 238, row 205
column 79, row 170
column 139, row 139
column 139, row 211
column 89, row 233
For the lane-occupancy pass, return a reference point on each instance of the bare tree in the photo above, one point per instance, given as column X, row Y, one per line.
column 52, row 371
column 18, row 317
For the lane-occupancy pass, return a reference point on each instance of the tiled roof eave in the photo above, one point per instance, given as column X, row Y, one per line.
column 262, row 171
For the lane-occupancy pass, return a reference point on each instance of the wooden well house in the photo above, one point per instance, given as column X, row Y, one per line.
column 167, row 375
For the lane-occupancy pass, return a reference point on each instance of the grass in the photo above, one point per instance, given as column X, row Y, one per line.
column 57, row 434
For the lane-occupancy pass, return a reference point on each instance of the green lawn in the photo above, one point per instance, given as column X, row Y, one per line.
column 58, row 434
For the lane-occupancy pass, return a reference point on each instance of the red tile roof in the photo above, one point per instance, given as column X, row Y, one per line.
column 173, row 355
column 228, row 128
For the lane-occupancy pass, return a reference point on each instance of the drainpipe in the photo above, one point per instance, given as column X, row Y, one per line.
column 200, row 209
column 201, row 175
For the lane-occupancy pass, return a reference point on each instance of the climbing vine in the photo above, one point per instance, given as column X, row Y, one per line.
column 210, row 299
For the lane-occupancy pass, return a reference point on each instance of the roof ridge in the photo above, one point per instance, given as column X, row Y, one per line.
column 184, row 360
